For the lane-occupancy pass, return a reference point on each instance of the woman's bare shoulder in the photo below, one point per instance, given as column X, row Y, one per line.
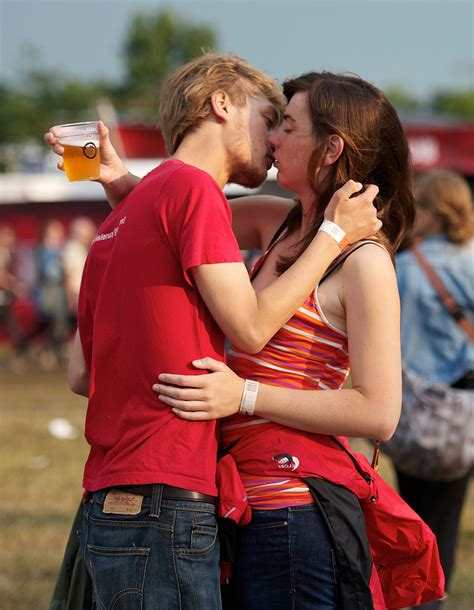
column 370, row 262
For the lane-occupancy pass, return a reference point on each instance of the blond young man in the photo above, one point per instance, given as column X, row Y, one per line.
column 163, row 284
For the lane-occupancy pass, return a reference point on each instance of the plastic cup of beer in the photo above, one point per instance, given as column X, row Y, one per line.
column 81, row 150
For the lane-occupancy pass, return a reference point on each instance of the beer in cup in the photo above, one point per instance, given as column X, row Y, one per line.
column 81, row 150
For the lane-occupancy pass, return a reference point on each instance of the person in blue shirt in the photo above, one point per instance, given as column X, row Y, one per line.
column 434, row 346
column 50, row 295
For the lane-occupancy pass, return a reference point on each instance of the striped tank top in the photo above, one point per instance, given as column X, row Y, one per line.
column 307, row 353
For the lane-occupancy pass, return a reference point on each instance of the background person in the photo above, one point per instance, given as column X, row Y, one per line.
column 50, row 295
column 433, row 344
column 80, row 235
column 9, row 288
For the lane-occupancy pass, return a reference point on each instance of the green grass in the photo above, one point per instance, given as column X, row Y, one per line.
column 41, row 487
column 41, row 484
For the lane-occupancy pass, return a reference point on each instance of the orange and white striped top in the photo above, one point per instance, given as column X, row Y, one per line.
column 307, row 353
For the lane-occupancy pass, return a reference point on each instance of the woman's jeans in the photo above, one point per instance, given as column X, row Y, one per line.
column 166, row 557
column 286, row 561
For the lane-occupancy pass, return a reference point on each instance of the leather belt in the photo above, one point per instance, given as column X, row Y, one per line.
column 169, row 492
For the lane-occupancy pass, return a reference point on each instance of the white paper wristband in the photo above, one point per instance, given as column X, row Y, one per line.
column 249, row 397
column 335, row 231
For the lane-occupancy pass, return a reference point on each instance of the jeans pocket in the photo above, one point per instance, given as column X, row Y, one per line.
column 118, row 576
column 195, row 533
column 268, row 519
column 266, row 526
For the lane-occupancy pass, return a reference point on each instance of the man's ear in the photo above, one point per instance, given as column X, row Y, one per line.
column 334, row 148
column 221, row 105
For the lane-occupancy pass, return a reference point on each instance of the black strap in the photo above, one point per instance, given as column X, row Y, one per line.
column 256, row 268
column 338, row 261
column 278, row 232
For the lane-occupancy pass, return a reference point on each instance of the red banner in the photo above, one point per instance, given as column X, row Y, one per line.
column 438, row 146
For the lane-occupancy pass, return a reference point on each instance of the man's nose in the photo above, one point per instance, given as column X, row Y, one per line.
column 273, row 141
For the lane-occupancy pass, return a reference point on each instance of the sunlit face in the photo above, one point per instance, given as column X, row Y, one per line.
column 250, row 156
column 293, row 143
column 54, row 234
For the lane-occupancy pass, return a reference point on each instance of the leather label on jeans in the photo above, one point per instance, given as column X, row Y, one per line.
column 122, row 503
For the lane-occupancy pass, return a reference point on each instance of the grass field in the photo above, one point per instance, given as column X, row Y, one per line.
column 41, row 487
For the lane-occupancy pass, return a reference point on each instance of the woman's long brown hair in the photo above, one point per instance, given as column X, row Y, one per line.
column 375, row 151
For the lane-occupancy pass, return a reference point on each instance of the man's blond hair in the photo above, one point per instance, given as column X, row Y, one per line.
column 185, row 99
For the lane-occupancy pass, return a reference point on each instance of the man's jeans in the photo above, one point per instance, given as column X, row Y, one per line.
column 164, row 558
column 286, row 561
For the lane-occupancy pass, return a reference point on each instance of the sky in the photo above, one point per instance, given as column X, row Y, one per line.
column 421, row 45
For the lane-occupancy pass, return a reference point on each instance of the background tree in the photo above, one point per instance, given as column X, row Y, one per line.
column 43, row 99
column 401, row 98
column 155, row 47
column 456, row 103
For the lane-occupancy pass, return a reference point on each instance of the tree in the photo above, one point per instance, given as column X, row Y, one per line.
column 42, row 100
column 155, row 47
column 401, row 98
column 456, row 103
column 17, row 115
column 27, row 111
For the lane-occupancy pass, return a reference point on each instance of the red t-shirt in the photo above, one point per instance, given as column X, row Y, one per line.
column 140, row 315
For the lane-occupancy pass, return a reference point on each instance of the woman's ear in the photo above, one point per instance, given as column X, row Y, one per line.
column 334, row 148
column 220, row 104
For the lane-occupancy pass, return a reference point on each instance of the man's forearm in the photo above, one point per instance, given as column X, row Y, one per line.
column 77, row 373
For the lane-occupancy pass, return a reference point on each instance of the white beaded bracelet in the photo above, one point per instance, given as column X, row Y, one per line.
column 335, row 231
column 249, row 397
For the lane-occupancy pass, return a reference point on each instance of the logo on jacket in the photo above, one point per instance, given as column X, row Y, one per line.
column 286, row 461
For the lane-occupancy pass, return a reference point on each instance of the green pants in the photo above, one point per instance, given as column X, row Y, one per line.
column 73, row 589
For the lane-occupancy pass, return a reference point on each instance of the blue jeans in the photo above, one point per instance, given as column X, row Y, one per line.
column 286, row 561
column 164, row 558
